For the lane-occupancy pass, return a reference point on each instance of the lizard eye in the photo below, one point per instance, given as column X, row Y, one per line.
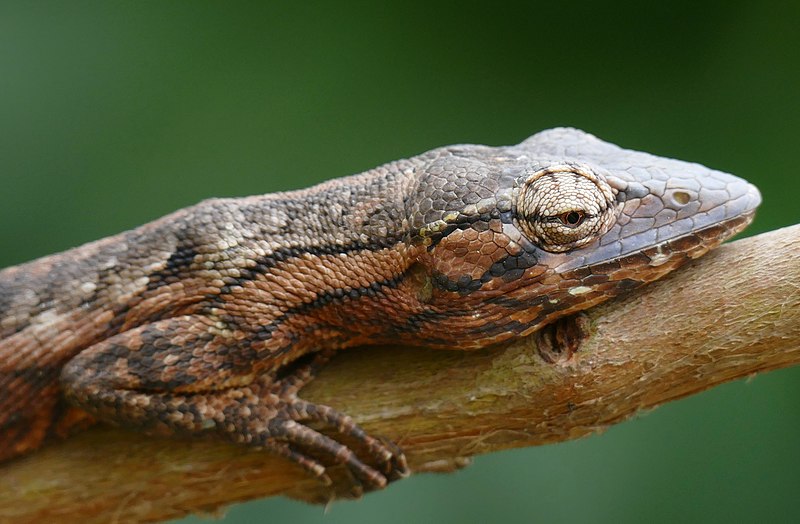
column 564, row 207
column 572, row 218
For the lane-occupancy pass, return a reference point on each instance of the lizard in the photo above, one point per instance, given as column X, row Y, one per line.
column 211, row 320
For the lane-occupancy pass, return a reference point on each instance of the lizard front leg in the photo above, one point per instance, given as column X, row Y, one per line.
column 177, row 376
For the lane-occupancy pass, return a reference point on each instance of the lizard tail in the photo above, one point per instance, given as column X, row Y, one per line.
column 34, row 346
column 31, row 405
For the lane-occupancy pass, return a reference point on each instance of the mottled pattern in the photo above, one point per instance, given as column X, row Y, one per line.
column 212, row 318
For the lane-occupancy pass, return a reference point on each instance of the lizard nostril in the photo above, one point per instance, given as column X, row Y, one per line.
column 681, row 197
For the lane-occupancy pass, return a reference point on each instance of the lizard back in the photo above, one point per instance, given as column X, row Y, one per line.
column 54, row 307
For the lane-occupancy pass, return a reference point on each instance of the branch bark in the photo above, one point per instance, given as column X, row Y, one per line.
column 731, row 314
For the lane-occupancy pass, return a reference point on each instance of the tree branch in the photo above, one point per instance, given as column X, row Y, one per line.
column 733, row 313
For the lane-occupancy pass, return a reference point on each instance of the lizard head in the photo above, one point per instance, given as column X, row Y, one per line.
column 562, row 222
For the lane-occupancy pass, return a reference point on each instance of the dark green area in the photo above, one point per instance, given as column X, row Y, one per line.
column 112, row 114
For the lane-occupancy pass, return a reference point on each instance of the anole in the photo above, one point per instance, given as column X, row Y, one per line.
column 211, row 319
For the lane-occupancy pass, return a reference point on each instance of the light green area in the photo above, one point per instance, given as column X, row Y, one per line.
column 112, row 114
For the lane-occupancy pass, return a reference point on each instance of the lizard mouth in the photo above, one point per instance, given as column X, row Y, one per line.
column 730, row 227
column 700, row 241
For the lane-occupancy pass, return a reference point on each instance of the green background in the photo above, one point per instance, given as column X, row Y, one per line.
column 112, row 114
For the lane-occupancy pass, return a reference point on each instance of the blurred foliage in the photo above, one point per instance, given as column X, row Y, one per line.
column 112, row 114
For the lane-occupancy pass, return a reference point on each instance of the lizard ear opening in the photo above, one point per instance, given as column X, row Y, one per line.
column 564, row 207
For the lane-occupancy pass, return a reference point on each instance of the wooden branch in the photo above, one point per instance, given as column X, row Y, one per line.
column 733, row 313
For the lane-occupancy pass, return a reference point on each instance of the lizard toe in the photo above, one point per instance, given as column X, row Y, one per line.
column 315, row 444
column 386, row 455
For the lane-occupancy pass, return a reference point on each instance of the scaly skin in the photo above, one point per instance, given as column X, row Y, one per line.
column 197, row 322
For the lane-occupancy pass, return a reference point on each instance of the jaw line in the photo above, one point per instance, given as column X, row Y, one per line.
column 713, row 235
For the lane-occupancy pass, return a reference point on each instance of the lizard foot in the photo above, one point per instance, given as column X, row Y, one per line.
column 296, row 429
column 288, row 435
column 557, row 342
column 292, row 431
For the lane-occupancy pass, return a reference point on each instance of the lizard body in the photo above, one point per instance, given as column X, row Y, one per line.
column 212, row 318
